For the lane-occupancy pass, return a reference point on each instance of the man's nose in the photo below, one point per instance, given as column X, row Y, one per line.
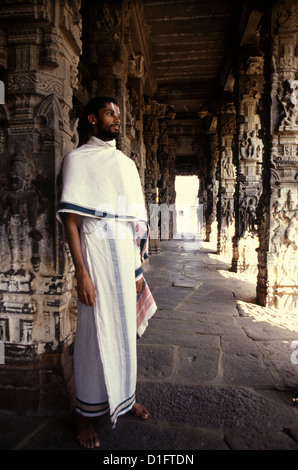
column 117, row 118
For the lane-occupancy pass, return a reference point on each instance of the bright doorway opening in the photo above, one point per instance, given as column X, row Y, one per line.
column 188, row 210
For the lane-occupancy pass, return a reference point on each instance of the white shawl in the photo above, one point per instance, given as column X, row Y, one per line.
column 100, row 181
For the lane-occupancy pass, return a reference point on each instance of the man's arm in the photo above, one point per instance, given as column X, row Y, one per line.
column 139, row 284
column 85, row 287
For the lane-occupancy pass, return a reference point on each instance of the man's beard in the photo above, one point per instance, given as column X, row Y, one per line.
column 105, row 134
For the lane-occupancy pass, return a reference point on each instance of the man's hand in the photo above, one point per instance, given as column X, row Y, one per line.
column 139, row 284
column 86, row 289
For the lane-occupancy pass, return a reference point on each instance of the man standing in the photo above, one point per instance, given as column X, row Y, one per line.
column 102, row 208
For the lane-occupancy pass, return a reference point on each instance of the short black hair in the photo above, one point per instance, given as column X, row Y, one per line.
column 97, row 103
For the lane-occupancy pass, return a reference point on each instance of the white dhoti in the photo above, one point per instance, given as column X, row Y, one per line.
column 105, row 348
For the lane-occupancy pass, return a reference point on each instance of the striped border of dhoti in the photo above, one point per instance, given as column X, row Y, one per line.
column 91, row 409
column 123, row 408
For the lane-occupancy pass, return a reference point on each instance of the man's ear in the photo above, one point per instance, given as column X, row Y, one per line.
column 92, row 119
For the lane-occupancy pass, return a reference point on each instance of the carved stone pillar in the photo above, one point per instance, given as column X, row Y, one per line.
column 166, row 183
column 157, row 193
column 249, row 160
column 212, row 186
column 226, row 219
column 36, row 315
column 171, row 191
column 104, row 65
column 113, row 65
column 151, row 133
column 278, row 272
column 135, row 108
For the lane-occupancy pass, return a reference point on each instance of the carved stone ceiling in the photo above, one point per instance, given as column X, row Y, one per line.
column 190, row 43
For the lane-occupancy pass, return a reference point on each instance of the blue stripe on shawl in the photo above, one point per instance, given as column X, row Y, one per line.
column 66, row 207
column 138, row 271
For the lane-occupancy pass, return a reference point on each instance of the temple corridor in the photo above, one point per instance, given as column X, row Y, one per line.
column 206, row 89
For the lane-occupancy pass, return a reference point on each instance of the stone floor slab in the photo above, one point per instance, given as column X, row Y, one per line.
column 170, row 338
column 231, row 409
column 197, row 366
column 155, row 361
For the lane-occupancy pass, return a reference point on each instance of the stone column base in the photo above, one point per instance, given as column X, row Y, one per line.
column 278, row 297
column 37, row 385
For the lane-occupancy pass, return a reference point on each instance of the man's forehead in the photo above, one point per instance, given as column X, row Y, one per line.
column 113, row 107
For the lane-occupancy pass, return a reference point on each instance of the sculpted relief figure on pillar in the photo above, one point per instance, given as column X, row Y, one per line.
column 277, row 229
column 20, row 209
column 212, row 199
column 110, row 19
column 292, row 220
column 284, row 240
column 285, row 216
column 286, row 16
column 227, row 131
column 248, row 215
column 227, row 166
column 130, row 121
column 227, row 210
column 250, row 147
column 288, row 98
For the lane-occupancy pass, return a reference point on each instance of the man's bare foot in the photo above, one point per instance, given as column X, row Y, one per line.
column 86, row 435
column 140, row 411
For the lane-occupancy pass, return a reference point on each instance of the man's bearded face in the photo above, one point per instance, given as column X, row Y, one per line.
column 106, row 125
